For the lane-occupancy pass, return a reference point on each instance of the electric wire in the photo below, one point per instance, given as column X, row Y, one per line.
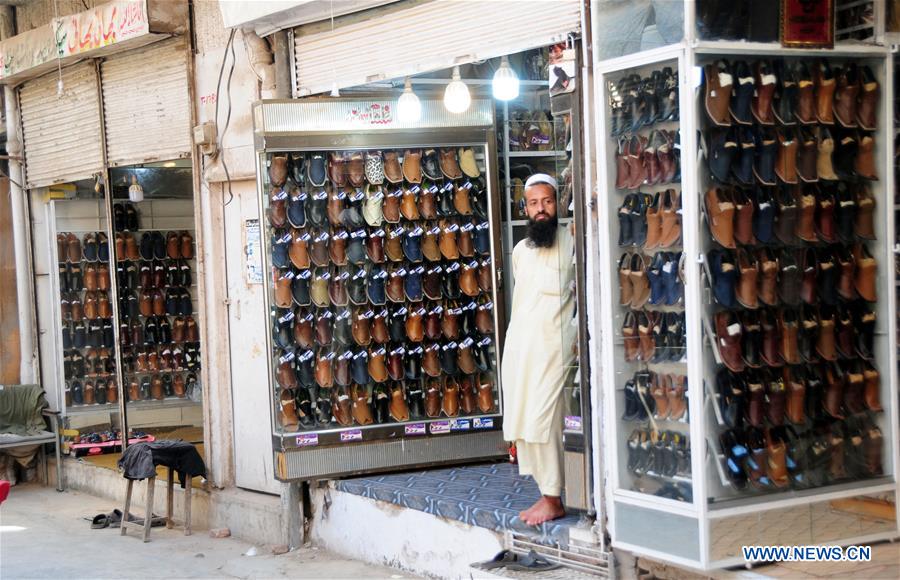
column 228, row 46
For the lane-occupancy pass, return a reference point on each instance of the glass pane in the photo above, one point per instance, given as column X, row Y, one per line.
column 380, row 287
column 627, row 26
column 644, row 225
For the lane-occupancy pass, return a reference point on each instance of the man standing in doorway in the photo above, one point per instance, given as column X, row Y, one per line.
column 539, row 347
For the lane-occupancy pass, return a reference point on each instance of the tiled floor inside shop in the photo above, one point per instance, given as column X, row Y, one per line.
column 487, row 495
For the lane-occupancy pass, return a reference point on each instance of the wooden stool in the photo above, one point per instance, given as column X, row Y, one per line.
column 170, row 502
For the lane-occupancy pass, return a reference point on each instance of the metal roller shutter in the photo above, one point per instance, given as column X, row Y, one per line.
column 61, row 133
column 417, row 36
column 146, row 104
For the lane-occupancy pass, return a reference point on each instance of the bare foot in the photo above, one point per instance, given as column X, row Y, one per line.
column 545, row 509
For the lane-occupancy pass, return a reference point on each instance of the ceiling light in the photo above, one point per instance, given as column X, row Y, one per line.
column 505, row 83
column 456, row 95
column 409, row 109
column 334, row 90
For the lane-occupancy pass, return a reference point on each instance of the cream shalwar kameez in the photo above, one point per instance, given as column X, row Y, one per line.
column 539, row 348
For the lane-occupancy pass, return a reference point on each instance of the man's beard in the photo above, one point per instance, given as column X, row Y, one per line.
column 542, row 233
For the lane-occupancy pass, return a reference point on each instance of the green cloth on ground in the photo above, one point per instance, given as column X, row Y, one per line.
column 20, row 409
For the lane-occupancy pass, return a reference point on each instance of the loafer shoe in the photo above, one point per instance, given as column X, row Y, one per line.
column 296, row 209
column 374, row 167
column 412, row 244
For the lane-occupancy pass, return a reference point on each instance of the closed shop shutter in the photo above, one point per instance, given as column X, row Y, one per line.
column 146, row 104
column 61, row 133
column 417, row 36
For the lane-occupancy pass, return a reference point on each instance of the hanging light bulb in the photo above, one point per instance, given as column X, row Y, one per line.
column 135, row 191
column 456, row 95
column 505, row 83
column 334, row 90
column 409, row 109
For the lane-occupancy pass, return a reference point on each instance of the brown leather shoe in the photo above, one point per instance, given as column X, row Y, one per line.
column 360, row 326
column 395, row 364
column 337, row 201
column 278, row 169
column 461, row 200
column 285, row 376
column 865, row 164
column 640, row 285
column 776, row 461
column 427, row 204
column 337, row 169
column 447, row 240
column 112, row 391
column 90, row 306
column 299, row 250
column 450, row 321
column 670, row 227
column 432, row 398
column 845, row 98
column 104, row 309
column 846, row 265
column 131, row 248
column 658, row 384
column 415, row 325
column 789, row 327
column 854, row 390
column 319, row 253
column 654, row 224
column 393, row 244
column 468, row 397
column 807, row 156
column 464, row 242
column 282, row 289
column 89, row 395
column 743, row 218
column 768, row 278
column 809, row 271
column 377, row 368
column 786, row 158
column 450, row 397
column 464, row 359
column 187, row 246
column 485, row 394
column 340, row 407
column 647, row 323
column 826, row 230
column 356, row 169
column 431, row 362
column 771, row 340
column 390, row 207
column 430, row 248
column 825, row 149
column 676, row 387
column 720, row 213
column 379, row 328
column 337, row 247
column 449, row 165
column 412, row 166
column 761, row 104
column 484, row 316
column 409, row 206
column 324, row 371
column 748, row 272
column 630, row 337
column 866, row 273
column 872, row 387
column 728, row 337
column 806, row 101
column 868, row 100
column 288, row 407
column 392, row 171
column 468, row 282
column 786, row 220
column 825, row 86
column 90, row 277
column 398, row 408
column 718, row 83
column 864, row 224
column 626, row 292
column 485, row 277
column 394, row 288
column 173, row 245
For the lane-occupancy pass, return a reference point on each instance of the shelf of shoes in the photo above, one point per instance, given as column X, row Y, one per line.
column 159, row 336
column 648, row 262
column 790, row 280
column 381, row 291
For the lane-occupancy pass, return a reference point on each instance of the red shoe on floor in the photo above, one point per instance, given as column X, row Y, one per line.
column 4, row 490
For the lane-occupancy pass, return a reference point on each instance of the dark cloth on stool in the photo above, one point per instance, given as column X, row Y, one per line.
column 140, row 460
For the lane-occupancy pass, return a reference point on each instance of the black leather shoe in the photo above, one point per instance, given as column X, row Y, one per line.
column 304, row 368
column 412, row 244
column 450, row 285
column 415, row 399
column 381, row 402
column 356, row 249
column 356, row 288
column 431, row 165
column 397, row 325
column 323, row 412
column 413, row 363
column 300, row 288
column 359, row 369
column 412, row 285
column 448, row 358
column 316, row 170
column 297, row 168
column 743, row 93
column 766, row 151
column 343, row 330
column 722, row 150
column 317, row 208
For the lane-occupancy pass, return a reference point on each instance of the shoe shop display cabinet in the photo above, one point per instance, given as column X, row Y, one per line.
column 747, row 300
column 381, row 254
column 130, row 299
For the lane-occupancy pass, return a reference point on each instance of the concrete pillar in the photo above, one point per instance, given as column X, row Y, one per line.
column 292, row 514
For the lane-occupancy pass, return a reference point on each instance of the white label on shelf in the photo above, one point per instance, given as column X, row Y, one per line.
column 439, row 427
column 307, row 440
column 483, row 423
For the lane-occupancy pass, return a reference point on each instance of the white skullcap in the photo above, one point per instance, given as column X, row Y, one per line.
column 540, row 178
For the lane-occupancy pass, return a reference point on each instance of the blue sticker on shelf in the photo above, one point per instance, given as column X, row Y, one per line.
column 480, row 423
column 440, row 427
column 573, row 423
column 351, row 435
column 460, row 425
column 414, row 429
column 307, row 440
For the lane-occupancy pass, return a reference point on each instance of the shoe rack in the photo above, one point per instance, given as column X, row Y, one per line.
column 81, row 217
column 383, row 354
column 768, row 455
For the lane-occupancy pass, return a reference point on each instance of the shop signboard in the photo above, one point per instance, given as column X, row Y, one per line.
column 807, row 23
